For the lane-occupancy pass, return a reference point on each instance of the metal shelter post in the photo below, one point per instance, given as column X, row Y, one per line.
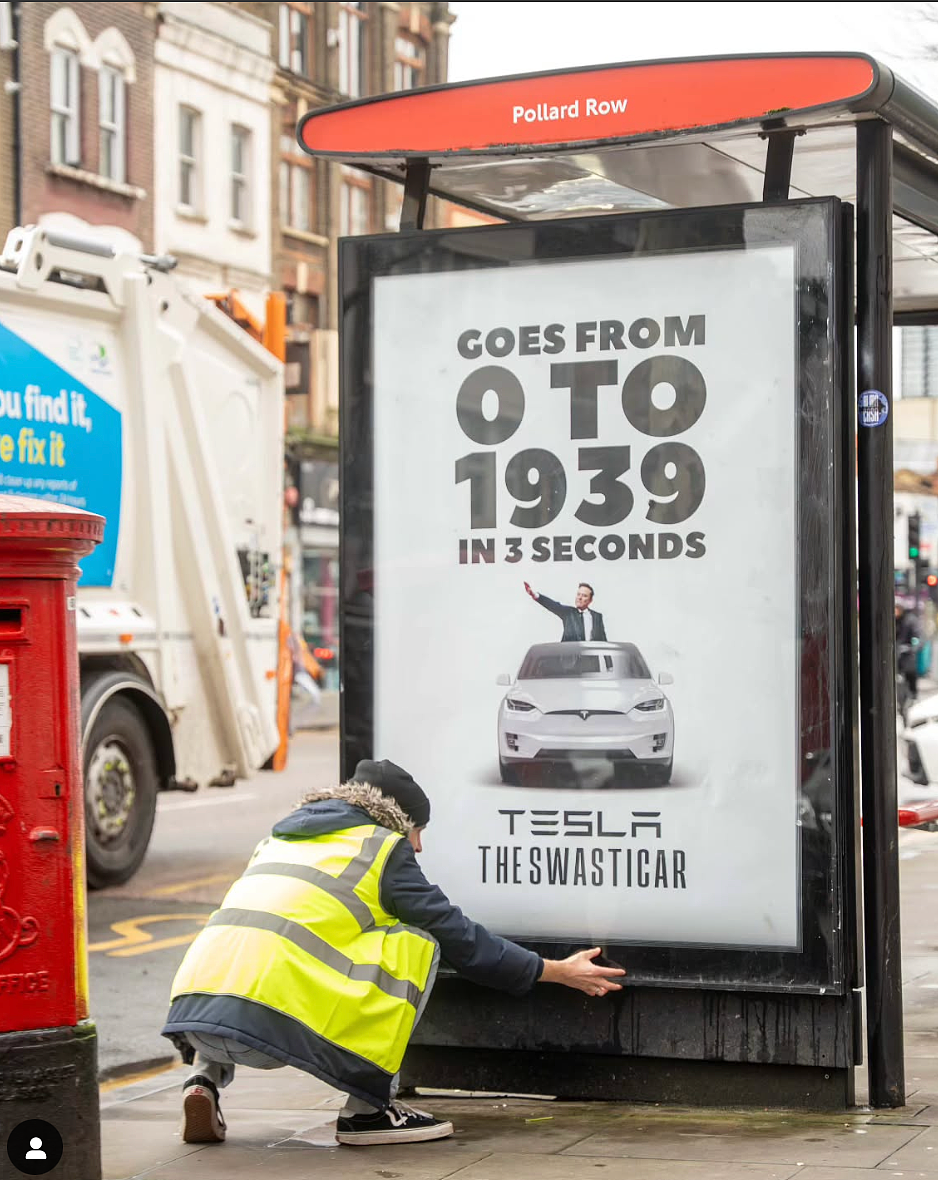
column 877, row 626
column 416, row 191
column 778, row 160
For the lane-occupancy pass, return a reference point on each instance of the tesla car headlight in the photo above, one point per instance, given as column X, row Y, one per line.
column 517, row 706
column 653, row 706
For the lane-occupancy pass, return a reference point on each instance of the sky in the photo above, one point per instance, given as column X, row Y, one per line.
column 491, row 40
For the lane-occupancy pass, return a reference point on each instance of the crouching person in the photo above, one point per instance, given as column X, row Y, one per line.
column 323, row 955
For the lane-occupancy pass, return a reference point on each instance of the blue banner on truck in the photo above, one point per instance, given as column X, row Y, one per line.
column 60, row 441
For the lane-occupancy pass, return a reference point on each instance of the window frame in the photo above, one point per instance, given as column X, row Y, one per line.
column 352, row 16
column 295, row 42
column 116, row 128
column 353, row 183
column 292, row 162
column 290, row 171
column 240, row 181
column 191, row 161
column 412, row 65
column 65, row 114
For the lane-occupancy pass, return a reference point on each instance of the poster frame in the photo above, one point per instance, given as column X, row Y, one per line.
column 820, row 230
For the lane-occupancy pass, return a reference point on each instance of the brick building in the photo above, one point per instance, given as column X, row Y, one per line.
column 8, row 106
column 327, row 53
column 85, row 115
column 176, row 123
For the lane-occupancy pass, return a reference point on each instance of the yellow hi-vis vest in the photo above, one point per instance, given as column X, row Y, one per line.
column 303, row 963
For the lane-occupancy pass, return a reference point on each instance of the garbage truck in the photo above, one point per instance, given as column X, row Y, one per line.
column 124, row 393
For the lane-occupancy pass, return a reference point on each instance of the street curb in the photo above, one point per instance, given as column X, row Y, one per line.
column 134, row 1071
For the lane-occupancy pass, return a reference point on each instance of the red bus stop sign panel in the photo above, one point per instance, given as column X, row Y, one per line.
column 587, row 105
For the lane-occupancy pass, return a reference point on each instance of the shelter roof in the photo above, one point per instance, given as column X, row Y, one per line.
column 645, row 135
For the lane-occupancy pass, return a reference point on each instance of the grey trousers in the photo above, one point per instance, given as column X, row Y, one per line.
column 217, row 1056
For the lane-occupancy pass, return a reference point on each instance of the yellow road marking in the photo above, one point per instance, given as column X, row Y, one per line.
column 132, row 1078
column 134, row 941
column 182, row 886
column 159, row 944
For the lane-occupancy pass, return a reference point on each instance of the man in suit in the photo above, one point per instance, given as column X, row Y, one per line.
column 580, row 621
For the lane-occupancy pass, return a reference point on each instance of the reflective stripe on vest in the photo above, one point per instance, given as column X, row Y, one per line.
column 303, row 931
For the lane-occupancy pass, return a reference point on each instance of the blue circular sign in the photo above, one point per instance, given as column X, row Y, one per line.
column 872, row 408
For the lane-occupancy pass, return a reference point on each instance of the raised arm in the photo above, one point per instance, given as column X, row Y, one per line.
column 555, row 608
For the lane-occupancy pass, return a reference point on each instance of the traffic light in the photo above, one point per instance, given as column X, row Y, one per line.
column 932, row 583
column 915, row 531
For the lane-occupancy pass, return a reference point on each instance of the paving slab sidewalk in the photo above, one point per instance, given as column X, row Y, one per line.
column 281, row 1124
column 282, row 1127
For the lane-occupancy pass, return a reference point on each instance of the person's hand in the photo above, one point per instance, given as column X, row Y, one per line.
column 529, row 590
column 581, row 973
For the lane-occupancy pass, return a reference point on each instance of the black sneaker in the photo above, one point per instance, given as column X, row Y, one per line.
column 202, row 1120
column 398, row 1124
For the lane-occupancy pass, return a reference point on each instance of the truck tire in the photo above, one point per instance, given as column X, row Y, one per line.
column 120, row 778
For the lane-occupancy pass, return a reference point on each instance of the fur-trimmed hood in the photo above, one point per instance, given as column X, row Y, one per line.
column 345, row 806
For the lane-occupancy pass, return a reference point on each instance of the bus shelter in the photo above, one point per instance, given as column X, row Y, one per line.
column 661, row 383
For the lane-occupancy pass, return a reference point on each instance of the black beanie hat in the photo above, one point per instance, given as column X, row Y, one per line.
column 393, row 780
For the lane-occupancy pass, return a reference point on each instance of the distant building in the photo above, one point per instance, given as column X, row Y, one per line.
column 76, row 120
column 212, row 142
column 327, row 53
column 9, row 104
column 459, row 217
column 171, row 128
column 915, row 411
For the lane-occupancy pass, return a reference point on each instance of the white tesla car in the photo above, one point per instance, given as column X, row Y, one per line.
column 573, row 701
column 920, row 735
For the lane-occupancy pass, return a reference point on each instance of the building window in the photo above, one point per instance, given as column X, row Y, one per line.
column 284, row 37
column 65, row 105
column 240, row 172
column 303, row 311
column 112, row 124
column 393, row 204
column 293, row 52
column 296, row 186
column 295, row 196
column 351, row 45
column 355, row 210
column 410, row 62
column 190, row 136
column 919, row 362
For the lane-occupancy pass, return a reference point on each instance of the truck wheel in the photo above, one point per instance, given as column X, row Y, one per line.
column 120, row 793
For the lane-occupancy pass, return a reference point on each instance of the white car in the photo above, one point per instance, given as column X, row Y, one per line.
column 573, row 701
column 920, row 737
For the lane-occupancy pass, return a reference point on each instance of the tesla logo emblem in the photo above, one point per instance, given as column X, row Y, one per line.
column 584, row 713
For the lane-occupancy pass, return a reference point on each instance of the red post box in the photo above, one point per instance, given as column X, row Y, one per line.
column 48, row 1046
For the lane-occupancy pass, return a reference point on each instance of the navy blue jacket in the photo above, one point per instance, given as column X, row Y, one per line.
column 473, row 951
column 574, row 628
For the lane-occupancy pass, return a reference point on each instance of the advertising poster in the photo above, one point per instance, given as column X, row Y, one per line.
column 597, row 481
column 588, row 580
column 60, row 440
